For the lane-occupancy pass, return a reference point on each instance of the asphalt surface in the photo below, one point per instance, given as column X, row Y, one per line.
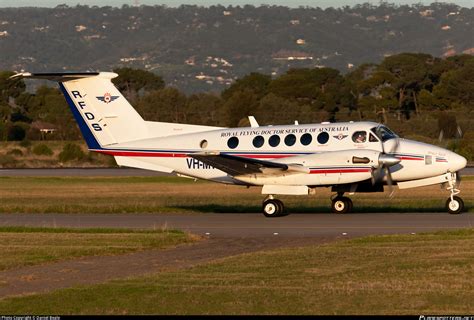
column 81, row 172
column 113, row 172
column 256, row 225
column 236, row 225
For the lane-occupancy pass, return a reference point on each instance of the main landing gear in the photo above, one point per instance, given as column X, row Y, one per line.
column 273, row 207
column 341, row 204
column 454, row 204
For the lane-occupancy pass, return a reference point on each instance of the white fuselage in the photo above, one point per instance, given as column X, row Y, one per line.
column 325, row 148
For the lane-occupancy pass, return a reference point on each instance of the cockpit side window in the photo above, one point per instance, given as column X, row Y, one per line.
column 359, row 137
column 383, row 133
column 372, row 138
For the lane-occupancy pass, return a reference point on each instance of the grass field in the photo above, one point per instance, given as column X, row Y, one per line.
column 170, row 194
column 22, row 246
column 398, row 274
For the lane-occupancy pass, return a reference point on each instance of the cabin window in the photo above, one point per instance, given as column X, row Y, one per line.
column 258, row 141
column 203, row 144
column 290, row 140
column 323, row 137
column 359, row 137
column 274, row 140
column 233, row 142
column 306, row 139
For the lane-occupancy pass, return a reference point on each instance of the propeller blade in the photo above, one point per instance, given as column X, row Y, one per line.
column 395, row 145
column 374, row 176
column 458, row 177
column 389, row 181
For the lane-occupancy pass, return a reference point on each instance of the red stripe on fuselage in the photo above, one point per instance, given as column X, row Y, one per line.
column 144, row 154
column 322, row 171
column 126, row 153
column 410, row 158
column 264, row 156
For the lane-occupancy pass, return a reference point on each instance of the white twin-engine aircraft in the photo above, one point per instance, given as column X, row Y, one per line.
column 284, row 160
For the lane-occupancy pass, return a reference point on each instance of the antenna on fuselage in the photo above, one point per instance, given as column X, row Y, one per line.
column 253, row 122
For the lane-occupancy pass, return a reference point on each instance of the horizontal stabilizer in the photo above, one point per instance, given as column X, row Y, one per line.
column 56, row 76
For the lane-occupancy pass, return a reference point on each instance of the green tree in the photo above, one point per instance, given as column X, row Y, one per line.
column 167, row 105
column 255, row 82
column 10, row 88
column 131, row 82
column 203, row 108
column 239, row 106
column 456, row 87
column 410, row 74
column 322, row 89
column 273, row 109
column 48, row 105
column 16, row 133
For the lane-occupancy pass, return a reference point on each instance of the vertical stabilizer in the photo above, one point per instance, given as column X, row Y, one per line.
column 103, row 114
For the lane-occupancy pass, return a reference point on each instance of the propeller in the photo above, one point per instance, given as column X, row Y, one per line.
column 458, row 177
column 386, row 160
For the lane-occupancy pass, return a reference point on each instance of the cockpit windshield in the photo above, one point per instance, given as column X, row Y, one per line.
column 383, row 133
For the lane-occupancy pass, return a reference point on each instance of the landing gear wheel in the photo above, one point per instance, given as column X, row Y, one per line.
column 455, row 206
column 349, row 203
column 273, row 208
column 281, row 207
column 341, row 205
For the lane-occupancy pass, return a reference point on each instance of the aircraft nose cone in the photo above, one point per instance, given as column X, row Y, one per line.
column 456, row 162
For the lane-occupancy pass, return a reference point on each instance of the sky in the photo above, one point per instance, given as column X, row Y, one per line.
column 175, row 3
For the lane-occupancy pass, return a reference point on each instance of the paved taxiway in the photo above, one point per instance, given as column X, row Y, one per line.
column 252, row 225
column 241, row 225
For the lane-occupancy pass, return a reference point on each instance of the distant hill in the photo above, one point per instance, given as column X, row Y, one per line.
column 206, row 49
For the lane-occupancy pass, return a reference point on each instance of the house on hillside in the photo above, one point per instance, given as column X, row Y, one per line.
column 44, row 128
column 291, row 55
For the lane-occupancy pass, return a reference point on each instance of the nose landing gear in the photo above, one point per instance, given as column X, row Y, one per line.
column 454, row 204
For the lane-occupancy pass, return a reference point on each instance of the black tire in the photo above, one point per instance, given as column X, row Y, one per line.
column 456, row 206
column 339, row 205
column 349, row 203
column 281, row 207
column 271, row 208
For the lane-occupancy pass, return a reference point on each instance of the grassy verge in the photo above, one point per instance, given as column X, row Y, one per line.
column 22, row 246
column 401, row 274
column 25, row 155
column 170, row 194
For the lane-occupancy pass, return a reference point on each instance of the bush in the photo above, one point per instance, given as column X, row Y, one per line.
column 70, row 152
column 7, row 161
column 42, row 150
column 15, row 152
column 25, row 143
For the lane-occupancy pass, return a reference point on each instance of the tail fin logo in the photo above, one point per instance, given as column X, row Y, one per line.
column 107, row 98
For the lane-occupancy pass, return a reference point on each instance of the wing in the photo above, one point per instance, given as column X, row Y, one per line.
column 237, row 166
